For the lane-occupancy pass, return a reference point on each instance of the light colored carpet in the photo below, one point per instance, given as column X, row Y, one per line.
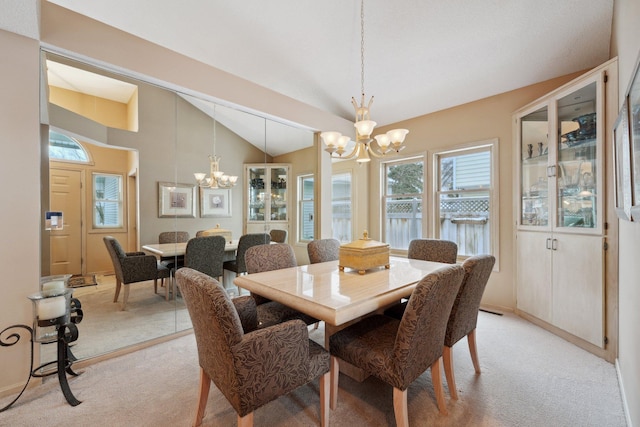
column 529, row 378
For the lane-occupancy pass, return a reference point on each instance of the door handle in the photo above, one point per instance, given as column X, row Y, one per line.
column 548, row 243
column 554, row 244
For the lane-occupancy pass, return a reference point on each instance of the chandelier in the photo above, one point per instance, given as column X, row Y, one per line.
column 216, row 178
column 389, row 142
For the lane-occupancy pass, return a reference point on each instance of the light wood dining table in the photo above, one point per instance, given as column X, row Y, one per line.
column 167, row 251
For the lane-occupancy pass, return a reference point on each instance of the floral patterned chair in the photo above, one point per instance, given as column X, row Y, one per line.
column 278, row 236
column 399, row 351
column 267, row 258
column 206, row 254
column 238, row 265
column 251, row 367
column 464, row 314
column 133, row 267
column 322, row 250
column 173, row 237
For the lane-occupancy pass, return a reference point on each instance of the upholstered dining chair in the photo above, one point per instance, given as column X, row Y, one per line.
column 278, row 236
column 270, row 257
column 173, row 237
column 205, row 254
column 399, row 351
column 250, row 367
column 322, row 250
column 464, row 314
column 133, row 267
column 238, row 265
column 433, row 250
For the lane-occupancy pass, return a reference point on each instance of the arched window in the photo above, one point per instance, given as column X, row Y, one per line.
column 64, row 148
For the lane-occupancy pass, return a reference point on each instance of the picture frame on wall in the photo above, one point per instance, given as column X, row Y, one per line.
column 176, row 200
column 622, row 165
column 215, row 202
column 633, row 101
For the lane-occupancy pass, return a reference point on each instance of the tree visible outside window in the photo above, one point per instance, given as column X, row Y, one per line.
column 402, row 202
column 306, row 207
column 65, row 148
column 107, row 201
column 341, row 207
column 464, row 192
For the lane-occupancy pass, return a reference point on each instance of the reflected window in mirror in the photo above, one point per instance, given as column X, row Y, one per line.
column 341, row 207
column 66, row 149
column 306, row 188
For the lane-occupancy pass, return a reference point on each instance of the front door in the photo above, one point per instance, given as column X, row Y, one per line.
column 66, row 244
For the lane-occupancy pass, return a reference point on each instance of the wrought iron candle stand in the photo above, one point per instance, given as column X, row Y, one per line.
column 55, row 315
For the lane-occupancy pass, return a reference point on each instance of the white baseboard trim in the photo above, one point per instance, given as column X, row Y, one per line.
column 625, row 405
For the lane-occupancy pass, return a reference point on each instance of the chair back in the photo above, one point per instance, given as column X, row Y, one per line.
column 278, row 236
column 420, row 338
column 117, row 254
column 246, row 241
column 173, row 237
column 270, row 257
column 205, row 254
column 322, row 250
column 216, row 326
column 464, row 313
column 433, row 250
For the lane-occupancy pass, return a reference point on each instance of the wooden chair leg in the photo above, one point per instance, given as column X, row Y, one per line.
column 205, row 384
column 447, row 356
column 335, row 374
column 324, row 399
column 400, row 407
column 125, row 297
column 155, row 286
column 118, row 285
column 436, row 379
column 246, row 421
column 471, row 339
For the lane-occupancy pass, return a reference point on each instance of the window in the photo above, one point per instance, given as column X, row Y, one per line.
column 305, row 210
column 464, row 193
column 403, row 189
column 62, row 147
column 341, row 207
column 107, row 201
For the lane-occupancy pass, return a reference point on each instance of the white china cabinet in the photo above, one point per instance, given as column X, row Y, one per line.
column 267, row 197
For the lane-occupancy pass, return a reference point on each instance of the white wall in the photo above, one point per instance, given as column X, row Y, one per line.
column 625, row 43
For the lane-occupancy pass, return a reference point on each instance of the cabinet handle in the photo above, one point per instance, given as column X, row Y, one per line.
column 551, row 171
column 554, row 244
column 548, row 243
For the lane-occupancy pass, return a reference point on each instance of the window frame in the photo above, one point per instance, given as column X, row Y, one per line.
column 301, row 202
column 120, row 203
column 491, row 146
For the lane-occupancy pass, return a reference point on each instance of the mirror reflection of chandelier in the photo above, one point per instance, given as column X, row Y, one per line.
column 216, row 178
column 389, row 142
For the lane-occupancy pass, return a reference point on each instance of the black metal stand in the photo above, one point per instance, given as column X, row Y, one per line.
column 67, row 333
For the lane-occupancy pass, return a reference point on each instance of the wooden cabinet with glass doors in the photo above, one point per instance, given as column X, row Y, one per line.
column 267, row 197
column 560, row 207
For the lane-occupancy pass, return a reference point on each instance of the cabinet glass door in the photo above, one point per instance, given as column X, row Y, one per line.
column 534, row 210
column 279, row 194
column 256, row 184
column 577, row 174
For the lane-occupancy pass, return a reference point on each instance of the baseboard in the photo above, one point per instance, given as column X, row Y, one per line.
column 625, row 404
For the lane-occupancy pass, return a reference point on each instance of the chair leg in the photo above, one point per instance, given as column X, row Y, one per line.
column 471, row 339
column 205, row 384
column 324, row 399
column 155, row 286
column 335, row 374
column 246, row 421
column 400, row 407
column 436, row 379
column 447, row 356
column 125, row 297
column 118, row 285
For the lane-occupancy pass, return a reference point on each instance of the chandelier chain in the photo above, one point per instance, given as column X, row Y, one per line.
column 362, row 47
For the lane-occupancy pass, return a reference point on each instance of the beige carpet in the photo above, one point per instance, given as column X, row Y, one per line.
column 529, row 378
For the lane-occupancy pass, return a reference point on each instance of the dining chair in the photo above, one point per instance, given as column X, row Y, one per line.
column 133, row 267
column 278, row 236
column 238, row 265
column 205, row 254
column 251, row 367
column 464, row 314
column 322, row 250
column 399, row 351
column 173, row 237
column 271, row 257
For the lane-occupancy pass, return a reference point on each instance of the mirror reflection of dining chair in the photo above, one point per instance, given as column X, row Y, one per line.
column 133, row 267
column 323, row 250
column 206, row 255
column 271, row 257
column 173, row 237
column 238, row 265
column 278, row 236
column 399, row 351
column 250, row 367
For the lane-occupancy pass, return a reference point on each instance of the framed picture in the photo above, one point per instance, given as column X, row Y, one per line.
column 176, row 200
column 622, row 158
column 215, row 202
column 633, row 99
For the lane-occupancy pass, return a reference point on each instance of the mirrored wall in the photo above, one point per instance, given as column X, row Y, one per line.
column 151, row 139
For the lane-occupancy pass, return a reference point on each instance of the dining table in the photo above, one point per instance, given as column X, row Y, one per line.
column 167, row 251
column 339, row 298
